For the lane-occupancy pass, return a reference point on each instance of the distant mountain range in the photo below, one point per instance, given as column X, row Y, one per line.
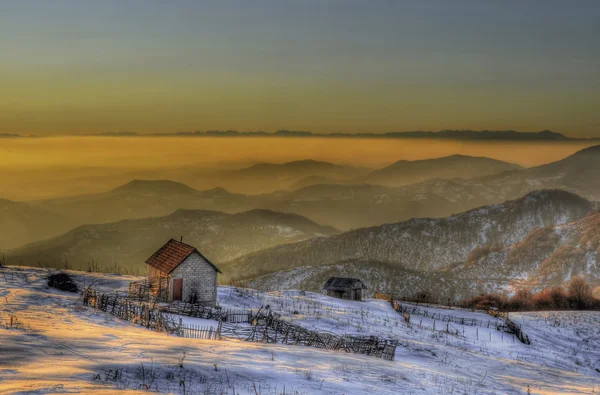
column 355, row 206
column 542, row 239
column 270, row 177
column 406, row 172
column 145, row 198
column 128, row 243
column 577, row 173
column 344, row 204
column 443, row 134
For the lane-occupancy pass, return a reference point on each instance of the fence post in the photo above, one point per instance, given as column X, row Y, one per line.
column 147, row 312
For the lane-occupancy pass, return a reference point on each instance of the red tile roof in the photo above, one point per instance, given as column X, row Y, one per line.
column 169, row 256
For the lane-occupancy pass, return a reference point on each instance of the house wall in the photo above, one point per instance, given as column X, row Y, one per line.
column 198, row 277
column 335, row 294
column 360, row 293
column 349, row 295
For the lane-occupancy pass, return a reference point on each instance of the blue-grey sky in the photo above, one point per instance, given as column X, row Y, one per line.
column 326, row 66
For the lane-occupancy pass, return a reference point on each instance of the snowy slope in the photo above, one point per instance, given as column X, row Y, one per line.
column 58, row 346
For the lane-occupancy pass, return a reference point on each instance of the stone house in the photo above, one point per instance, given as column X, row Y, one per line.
column 345, row 288
column 190, row 276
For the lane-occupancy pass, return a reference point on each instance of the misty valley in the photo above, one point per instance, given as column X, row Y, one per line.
column 458, row 225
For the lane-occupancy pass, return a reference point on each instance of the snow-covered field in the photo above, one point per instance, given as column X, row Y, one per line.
column 55, row 345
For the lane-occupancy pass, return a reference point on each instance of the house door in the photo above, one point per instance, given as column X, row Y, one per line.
column 358, row 294
column 177, row 288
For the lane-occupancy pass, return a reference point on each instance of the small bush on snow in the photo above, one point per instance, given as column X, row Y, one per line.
column 62, row 281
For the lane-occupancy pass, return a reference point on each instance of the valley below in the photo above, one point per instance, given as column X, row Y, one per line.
column 458, row 225
column 423, row 238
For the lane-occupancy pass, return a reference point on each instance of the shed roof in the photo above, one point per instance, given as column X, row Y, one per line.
column 170, row 255
column 343, row 284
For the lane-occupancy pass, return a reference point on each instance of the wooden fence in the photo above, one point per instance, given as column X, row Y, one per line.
column 511, row 326
column 504, row 324
column 152, row 289
column 193, row 310
column 236, row 317
column 138, row 313
column 209, row 313
column 201, row 332
column 267, row 327
column 414, row 310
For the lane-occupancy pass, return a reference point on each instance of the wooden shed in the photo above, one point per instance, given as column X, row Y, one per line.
column 345, row 288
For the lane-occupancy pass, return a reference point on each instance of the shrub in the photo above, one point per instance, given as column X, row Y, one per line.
column 522, row 300
column 559, row 298
column 580, row 294
column 596, row 292
column 543, row 300
column 485, row 302
column 62, row 281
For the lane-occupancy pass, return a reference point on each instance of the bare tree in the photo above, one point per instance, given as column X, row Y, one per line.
column 580, row 293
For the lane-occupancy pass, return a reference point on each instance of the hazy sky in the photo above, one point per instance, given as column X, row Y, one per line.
column 325, row 66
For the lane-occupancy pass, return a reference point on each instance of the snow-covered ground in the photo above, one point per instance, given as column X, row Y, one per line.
column 55, row 345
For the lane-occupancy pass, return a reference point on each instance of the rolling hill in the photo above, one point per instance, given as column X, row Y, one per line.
column 145, row 198
column 456, row 166
column 270, row 177
column 353, row 206
column 548, row 255
column 577, row 173
column 339, row 204
column 22, row 223
column 425, row 245
column 378, row 276
column 127, row 244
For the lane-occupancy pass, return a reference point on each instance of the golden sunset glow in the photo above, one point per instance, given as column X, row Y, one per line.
column 128, row 67
column 43, row 167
